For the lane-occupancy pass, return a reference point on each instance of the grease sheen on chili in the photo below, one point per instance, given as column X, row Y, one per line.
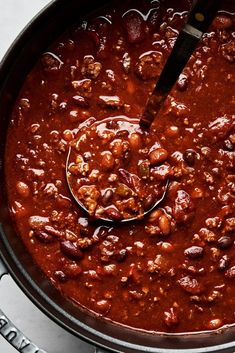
column 176, row 266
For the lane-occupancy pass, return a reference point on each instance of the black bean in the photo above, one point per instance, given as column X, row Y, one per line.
column 70, row 250
column 84, row 231
column 80, row 101
column 225, row 242
column 120, row 255
column 194, row 252
column 148, row 202
column 60, row 275
column 190, row 157
column 43, row 237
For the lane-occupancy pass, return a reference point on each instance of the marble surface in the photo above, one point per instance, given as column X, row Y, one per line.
column 14, row 15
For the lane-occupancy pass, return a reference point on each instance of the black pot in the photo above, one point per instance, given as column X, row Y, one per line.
column 19, row 60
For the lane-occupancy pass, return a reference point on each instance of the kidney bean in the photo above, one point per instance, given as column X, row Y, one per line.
column 22, row 189
column 63, row 201
column 148, row 202
column 24, row 104
column 135, row 27
column 102, row 306
column 171, row 317
column 222, row 22
column 230, row 273
column 107, row 161
column 43, row 237
column 164, row 225
column 70, row 250
column 158, row 156
column 190, row 157
column 71, row 236
column 123, row 134
column 54, row 232
column 190, row 285
column 80, row 101
column 107, row 197
column 113, row 213
column 225, row 242
column 194, row 252
column 126, row 177
column 51, row 62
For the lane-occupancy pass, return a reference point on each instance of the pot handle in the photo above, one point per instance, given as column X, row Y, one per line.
column 8, row 330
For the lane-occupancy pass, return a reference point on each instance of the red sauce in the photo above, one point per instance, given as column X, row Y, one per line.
column 176, row 266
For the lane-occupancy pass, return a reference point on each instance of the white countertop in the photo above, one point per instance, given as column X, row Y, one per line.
column 14, row 15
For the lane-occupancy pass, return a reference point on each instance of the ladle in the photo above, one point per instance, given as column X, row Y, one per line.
column 198, row 22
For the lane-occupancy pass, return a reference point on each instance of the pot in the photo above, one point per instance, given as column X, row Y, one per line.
column 15, row 260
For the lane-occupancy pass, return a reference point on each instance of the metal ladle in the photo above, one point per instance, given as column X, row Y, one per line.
column 200, row 18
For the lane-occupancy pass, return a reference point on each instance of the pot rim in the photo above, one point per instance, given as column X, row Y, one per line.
column 36, row 294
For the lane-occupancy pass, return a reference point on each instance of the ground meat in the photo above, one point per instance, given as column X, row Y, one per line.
column 228, row 51
column 90, row 67
column 149, row 65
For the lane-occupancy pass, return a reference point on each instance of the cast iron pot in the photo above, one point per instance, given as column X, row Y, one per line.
column 15, row 260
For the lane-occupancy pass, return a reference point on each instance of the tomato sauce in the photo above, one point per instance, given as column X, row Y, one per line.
column 176, row 266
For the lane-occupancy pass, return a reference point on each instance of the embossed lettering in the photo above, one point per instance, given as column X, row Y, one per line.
column 3, row 322
column 12, row 334
column 24, row 344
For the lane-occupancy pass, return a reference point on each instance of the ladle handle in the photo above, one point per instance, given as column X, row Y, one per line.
column 11, row 333
column 200, row 18
column 203, row 14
